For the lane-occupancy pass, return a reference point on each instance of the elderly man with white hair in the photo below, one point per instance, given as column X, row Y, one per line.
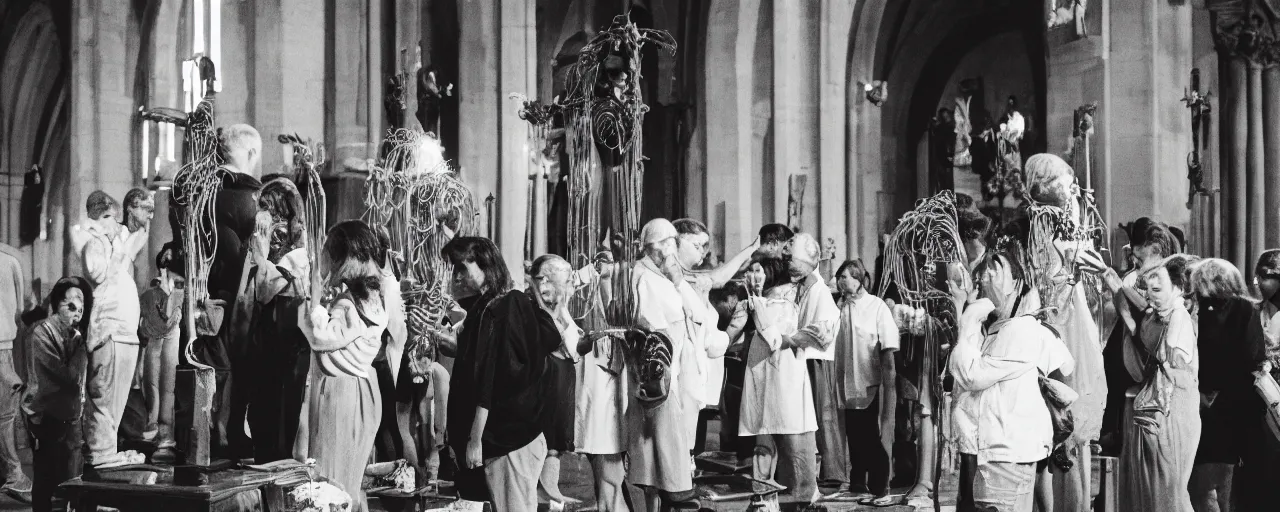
column 660, row 442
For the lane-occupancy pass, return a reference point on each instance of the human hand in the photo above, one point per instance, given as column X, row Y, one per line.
column 977, row 311
column 754, row 284
column 475, row 454
column 1091, row 261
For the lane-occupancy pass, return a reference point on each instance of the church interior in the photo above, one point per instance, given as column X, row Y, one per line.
column 832, row 105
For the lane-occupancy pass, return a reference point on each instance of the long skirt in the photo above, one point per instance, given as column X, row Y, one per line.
column 344, row 414
column 1156, row 462
column 659, row 447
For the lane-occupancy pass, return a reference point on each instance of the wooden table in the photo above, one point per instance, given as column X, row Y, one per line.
column 231, row 490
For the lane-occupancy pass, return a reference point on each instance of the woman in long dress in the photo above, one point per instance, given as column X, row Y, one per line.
column 1162, row 428
column 344, row 403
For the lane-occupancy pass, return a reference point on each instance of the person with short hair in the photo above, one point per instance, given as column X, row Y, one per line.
column 820, row 320
column 52, row 400
column 774, row 238
column 866, row 382
column 551, row 288
column 113, row 327
column 496, row 391
column 1002, row 423
column 161, row 306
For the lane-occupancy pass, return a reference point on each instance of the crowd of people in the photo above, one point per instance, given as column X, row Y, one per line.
column 817, row 380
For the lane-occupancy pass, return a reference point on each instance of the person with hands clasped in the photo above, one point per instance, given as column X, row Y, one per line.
column 1002, row 423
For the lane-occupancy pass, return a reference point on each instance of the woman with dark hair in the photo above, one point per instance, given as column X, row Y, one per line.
column 56, row 366
column 279, row 370
column 496, row 393
column 1162, row 429
column 1229, row 347
column 865, row 347
column 344, row 404
column 1254, row 481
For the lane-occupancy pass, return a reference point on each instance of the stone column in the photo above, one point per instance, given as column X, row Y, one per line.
column 1250, row 141
column 835, row 212
column 795, row 107
column 288, row 88
column 348, row 76
column 499, row 42
column 102, row 103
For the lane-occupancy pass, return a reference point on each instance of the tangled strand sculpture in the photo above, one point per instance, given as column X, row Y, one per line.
column 418, row 196
column 307, row 158
column 195, row 187
column 1056, row 238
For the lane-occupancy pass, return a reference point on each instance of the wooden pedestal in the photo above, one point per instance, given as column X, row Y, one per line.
column 193, row 423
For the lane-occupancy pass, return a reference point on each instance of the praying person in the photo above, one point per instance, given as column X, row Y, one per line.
column 344, row 339
column 550, row 276
column 707, row 340
column 113, row 327
column 54, row 395
column 284, row 356
column 866, row 382
column 1162, row 428
column 777, row 400
column 496, row 390
column 1002, row 423
column 660, row 442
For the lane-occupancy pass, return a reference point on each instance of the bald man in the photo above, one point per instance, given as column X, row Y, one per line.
column 550, row 287
column 824, row 317
column 659, row 445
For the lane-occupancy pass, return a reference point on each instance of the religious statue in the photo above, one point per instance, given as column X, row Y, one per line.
column 1065, row 12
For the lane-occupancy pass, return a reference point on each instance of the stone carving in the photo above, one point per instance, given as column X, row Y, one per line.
column 1066, row 12
column 1248, row 28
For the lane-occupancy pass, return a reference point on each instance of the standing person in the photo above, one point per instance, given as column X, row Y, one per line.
column 1229, row 343
column 52, row 401
column 344, row 339
column 550, row 276
column 600, row 429
column 773, row 239
column 782, row 426
column 12, row 292
column 1162, row 429
column 659, row 445
column 113, row 326
column 280, row 381
column 1253, row 483
column 161, row 307
column 1002, row 424
column 818, row 323
column 708, row 341
column 496, row 391
column 866, row 382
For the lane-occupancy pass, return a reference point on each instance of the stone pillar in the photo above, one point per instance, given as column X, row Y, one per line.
column 499, row 40
column 1250, row 139
column 288, row 87
column 102, row 104
column 1150, row 56
column 349, row 74
column 730, row 47
column 835, row 210
column 795, row 107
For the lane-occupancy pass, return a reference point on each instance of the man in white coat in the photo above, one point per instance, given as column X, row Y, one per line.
column 709, row 342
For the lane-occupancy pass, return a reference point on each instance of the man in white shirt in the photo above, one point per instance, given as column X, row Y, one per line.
column 708, row 340
column 1002, row 424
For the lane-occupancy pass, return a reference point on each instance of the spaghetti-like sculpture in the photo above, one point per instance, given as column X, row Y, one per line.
column 603, row 113
column 416, row 194
column 306, row 160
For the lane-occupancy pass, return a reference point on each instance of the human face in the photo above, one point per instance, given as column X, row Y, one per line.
column 754, row 276
column 551, row 284
column 1161, row 292
column 468, row 280
column 70, row 309
column 1268, row 285
column 663, row 254
column 1146, row 254
column 846, row 283
column 772, row 249
column 997, row 284
column 109, row 219
column 691, row 249
column 141, row 213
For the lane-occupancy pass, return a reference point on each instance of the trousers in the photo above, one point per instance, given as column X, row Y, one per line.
column 995, row 486
column 10, row 394
column 513, row 478
column 111, row 370
column 160, row 372
column 792, row 459
column 869, row 468
column 55, row 458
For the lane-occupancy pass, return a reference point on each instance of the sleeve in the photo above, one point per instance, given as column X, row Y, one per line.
column 47, row 358
column 738, row 322
column 890, row 338
column 1056, row 356
column 19, row 290
column 271, row 281
column 820, row 332
column 650, row 300
column 1181, row 336
column 512, row 346
column 975, row 370
column 333, row 329
column 97, row 260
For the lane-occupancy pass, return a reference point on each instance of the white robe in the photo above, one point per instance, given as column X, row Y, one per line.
column 776, row 395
